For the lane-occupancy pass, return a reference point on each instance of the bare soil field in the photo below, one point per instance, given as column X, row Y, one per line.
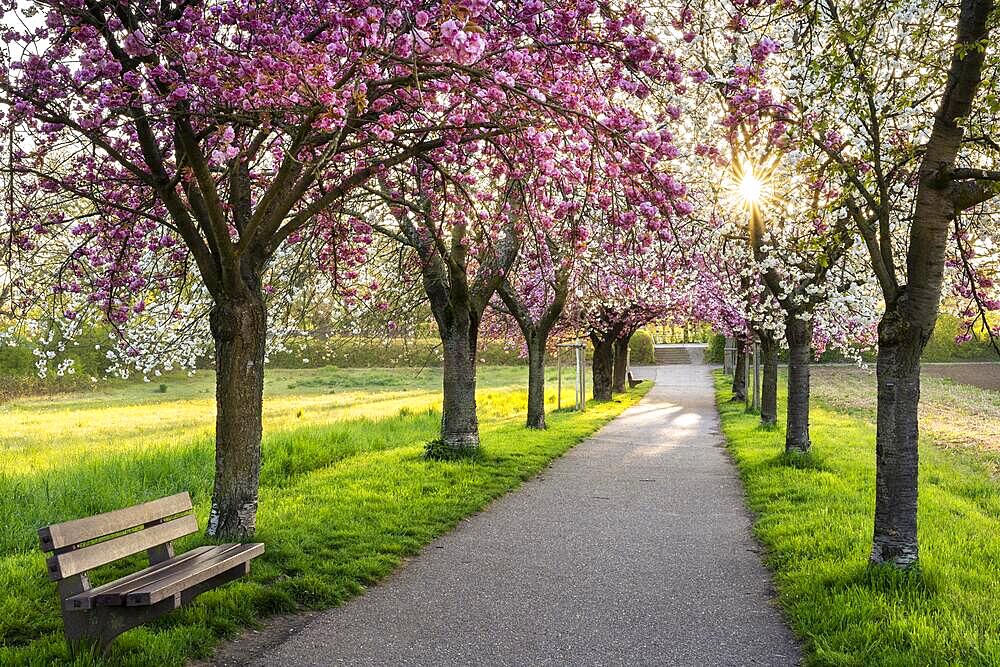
column 985, row 375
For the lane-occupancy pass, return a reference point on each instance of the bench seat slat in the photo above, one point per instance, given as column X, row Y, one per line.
column 69, row 533
column 80, row 560
column 177, row 580
column 104, row 594
column 115, row 596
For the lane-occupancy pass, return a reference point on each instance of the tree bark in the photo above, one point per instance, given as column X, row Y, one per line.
column 896, row 456
column 798, row 334
column 459, row 423
column 740, row 372
column 620, row 363
column 536, row 382
column 238, row 327
column 603, row 364
column 769, row 383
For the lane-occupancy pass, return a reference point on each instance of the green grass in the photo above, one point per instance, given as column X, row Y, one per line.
column 814, row 516
column 345, row 490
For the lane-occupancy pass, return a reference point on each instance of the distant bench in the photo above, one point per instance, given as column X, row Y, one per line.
column 98, row 615
column 632, row 382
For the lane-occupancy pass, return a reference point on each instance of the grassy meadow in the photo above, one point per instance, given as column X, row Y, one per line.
column 345, row 490
column 814, row 516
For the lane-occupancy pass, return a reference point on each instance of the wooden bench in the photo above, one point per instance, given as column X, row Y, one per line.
column 97, row 615
column 632, row 382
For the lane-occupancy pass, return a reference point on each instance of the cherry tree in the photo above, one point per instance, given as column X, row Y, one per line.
column 725, row 289
column 465, row 245
column 908, row 150
column 886, row 95
column 534, row 196
column 627, row 286
column 714, row 288
column 628, row 192
column 534, row 294
column 909, row 173
column 210, row 134
column 795, row 261
column 776, row 197
column 971, row 273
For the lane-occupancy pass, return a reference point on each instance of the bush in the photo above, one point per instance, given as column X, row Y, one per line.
column 941, row 348
column 346, row 352
column 716, row 352
column 641, row 348
column 942, row 345
column 19, row 375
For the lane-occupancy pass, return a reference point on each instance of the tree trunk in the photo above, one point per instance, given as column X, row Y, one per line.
column 536, row 382
column 536, row 336
column 898, row 371
column 798, row 333
column 620, row 364
column 740, row 372
column 603, row 363
column 459, row 423
column 912, row 309
column 769, row 384
column 238, row 327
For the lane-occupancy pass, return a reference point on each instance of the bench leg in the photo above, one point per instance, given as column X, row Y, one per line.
column 92, row 630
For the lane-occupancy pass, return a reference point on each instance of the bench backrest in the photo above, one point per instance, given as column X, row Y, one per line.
column 71, row 554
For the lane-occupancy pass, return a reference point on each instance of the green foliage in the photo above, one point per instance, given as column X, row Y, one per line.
column 940, row 348
column 346, row 492
column 670, row 333
column 942, row 345
column 641, row 348
column 19, row 376
column 394, row 353
column 716, row 352
column 814, row 516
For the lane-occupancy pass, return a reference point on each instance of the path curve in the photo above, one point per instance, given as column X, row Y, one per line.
column 633, row 548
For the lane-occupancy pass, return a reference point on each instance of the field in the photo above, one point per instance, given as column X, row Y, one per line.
column 346, row 493
column 814, row 517
column 955, row 411
column 985, row 375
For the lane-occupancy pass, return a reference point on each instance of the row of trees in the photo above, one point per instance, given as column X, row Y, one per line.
column 169, row 161
column 803, row 174
column 861, row 138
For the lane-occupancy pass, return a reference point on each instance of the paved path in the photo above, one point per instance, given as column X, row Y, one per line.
column 633, row 549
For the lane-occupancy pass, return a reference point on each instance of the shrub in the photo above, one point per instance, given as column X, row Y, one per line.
column 942, row 345
column 345, row 352
column 641, row 348
column 19, row 375
column 716, row 352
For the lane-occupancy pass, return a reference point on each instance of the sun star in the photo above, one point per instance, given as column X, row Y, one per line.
column 751, row 187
